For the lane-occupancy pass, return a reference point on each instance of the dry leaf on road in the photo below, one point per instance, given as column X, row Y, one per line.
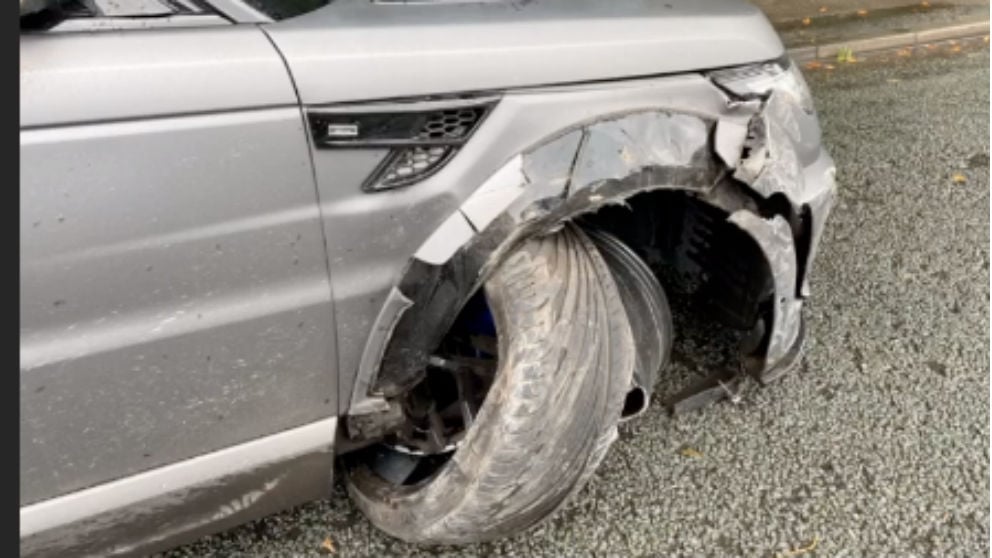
column 691, row 452
column 801, row 550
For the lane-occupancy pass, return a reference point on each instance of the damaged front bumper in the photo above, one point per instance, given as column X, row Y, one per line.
column 758, row 159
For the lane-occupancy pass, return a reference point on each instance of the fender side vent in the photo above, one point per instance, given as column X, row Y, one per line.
column 421, row 137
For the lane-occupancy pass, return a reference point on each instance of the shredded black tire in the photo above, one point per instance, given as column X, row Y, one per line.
column 565, row 364
column 647, row 306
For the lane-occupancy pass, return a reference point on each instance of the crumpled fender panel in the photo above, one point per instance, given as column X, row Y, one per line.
column 601, row 162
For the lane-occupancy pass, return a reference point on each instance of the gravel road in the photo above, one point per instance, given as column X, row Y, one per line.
column 878, row 444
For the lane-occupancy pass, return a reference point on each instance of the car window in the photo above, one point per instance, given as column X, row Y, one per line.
column 282, row 9
column 95, row 15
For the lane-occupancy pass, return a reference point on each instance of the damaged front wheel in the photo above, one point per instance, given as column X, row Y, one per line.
column 565, row 359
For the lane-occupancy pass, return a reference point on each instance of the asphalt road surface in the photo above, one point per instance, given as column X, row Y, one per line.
column 878, row 445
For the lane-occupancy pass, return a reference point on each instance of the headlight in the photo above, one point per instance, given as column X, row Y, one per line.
column 759, row 80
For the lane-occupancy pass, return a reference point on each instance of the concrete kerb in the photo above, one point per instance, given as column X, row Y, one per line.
column 891, row 40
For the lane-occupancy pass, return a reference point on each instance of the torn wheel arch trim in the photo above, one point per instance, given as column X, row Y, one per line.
column 525, row 196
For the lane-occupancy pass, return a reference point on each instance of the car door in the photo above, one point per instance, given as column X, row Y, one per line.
column 175, row 297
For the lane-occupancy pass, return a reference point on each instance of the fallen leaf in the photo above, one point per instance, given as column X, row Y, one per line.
column 813, row 65
column 925, row 4
column 904, row 52
column 327, row 546
column 955, row 48
column 862, row 12
column 802, row 549
column 829, row 67
column 691, row 452
column 807, row 21
column 845, row 55
column 823, row 9
column 959, row 178
column 930, row 46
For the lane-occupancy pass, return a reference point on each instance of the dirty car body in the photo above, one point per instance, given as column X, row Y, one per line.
column 239, row 233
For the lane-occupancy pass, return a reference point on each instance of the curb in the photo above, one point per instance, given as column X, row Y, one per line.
column 890, row 41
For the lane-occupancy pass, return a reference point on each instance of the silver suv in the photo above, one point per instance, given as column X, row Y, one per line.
column 432, row 240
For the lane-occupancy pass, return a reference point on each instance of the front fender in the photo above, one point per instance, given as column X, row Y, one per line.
column 746, row 152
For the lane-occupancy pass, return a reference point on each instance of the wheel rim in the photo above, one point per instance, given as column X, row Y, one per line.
column 442, row 407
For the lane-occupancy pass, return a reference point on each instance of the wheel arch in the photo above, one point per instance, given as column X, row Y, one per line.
column 575, row 172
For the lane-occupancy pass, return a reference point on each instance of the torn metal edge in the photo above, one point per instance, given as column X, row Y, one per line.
column 774, row 237
column 362, row 400
column 440, row 246
column 592, row 165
